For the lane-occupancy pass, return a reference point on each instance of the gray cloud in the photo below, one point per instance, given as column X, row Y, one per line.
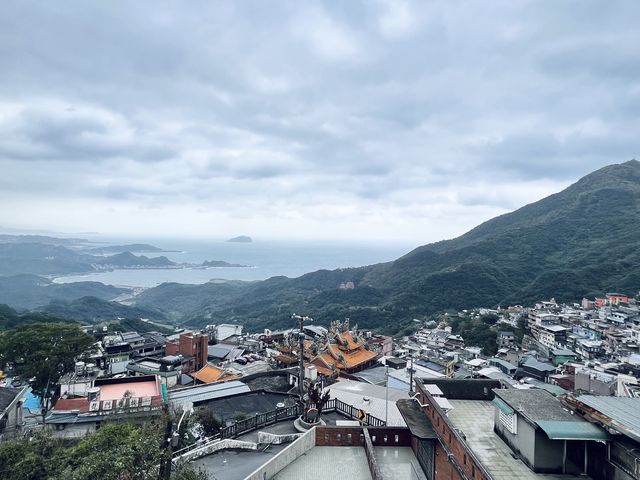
column 283, row 114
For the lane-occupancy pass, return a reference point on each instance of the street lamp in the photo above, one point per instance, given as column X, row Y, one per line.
column 301, row 319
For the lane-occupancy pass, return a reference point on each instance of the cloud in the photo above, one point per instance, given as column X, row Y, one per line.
column 404, row 119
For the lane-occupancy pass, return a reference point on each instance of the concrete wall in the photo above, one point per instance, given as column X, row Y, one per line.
column 453, row 455
column 548, row 457
column 273, row 439
column 354, row 436
column 523, row 443
column 213, row 447
column 371, row 457
column 302, row 445
column 71, row 430
column 532, row 445
column 13, row 415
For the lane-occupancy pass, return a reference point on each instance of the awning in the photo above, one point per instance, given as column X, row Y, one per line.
column 502, row 405
column 562, row 430
column 416, row 419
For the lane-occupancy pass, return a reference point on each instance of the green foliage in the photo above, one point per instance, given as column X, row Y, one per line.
column 9, row 318
column 490, row 319
column 208, row 420
column 137, row 325
column 476, row 333
column 43, row 351
column 26, row 460
column 117, row 451
column 521, row 328
column 94, row 310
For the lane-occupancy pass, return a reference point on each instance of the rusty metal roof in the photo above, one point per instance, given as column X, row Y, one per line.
column 623, row 412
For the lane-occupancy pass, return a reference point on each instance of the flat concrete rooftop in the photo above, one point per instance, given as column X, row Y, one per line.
column 475, row 419
column 328, row 463
column 398, row 463
column 237, row 464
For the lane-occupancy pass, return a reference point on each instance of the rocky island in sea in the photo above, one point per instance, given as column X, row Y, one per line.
column 241, row 239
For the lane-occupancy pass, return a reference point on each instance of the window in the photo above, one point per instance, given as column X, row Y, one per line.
column 509, row 421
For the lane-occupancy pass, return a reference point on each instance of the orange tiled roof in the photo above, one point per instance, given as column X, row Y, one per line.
column 346, row 360
column 211, row 374
column 351, row 343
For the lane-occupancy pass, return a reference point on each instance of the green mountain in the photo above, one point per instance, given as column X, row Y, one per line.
column 9, row 318
column 581, row 241
column 94, row 310
column 47, row 259
column 30, row 291
column 129, row 260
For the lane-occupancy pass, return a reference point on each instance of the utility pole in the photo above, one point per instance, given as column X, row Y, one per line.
column 301, row 319
column 165, row 465
column 411, row 370
column 386, row 395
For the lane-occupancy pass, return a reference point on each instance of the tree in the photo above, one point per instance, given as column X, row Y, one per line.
column 42, row 353
column 208, row 420
column 490, row 318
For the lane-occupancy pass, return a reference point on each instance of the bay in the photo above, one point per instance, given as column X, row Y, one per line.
column 265, row 259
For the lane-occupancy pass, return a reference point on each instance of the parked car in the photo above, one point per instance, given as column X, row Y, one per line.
column 241, row 361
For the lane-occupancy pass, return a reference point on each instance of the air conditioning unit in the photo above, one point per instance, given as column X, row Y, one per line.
column 94, row 406
column 107, row 405
column 133, row 401
column 146, row 401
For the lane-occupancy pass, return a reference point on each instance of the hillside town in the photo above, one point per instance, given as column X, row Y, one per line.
column 563, row 379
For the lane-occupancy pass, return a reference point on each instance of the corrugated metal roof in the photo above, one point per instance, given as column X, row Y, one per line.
column 623, row 411
column 206, row 392
column 559, row 430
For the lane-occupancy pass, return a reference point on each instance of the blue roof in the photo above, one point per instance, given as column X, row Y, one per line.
column 502, row 406
column 560, row 430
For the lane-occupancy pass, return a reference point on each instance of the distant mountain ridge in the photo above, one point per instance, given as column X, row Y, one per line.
column 130, row 247
column 50, row 259
column 581, row 241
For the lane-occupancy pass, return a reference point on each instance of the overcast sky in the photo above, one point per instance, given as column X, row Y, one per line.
column 390, row 121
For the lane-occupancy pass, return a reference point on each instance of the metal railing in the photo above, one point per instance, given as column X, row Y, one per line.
column 260, row 420
column 335, row 405
column 279, row 414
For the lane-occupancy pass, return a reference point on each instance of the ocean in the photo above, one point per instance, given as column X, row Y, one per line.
column 265, row 258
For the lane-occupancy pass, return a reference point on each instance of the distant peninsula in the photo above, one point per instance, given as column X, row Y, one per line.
column 132, row 247
column 221, row 263
column 240, row 239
